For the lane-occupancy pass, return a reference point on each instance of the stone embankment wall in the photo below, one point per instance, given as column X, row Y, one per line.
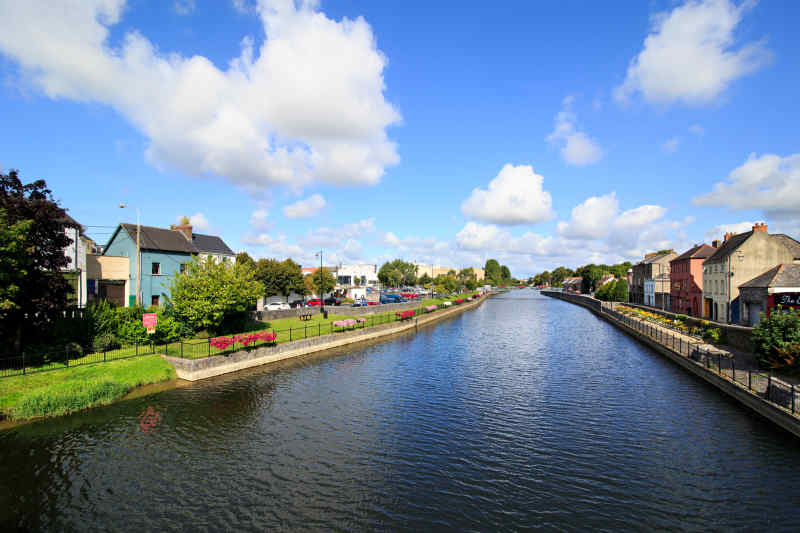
column 772, row 412
column 196, row 369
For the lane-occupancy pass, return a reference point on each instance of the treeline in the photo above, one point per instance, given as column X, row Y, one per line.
column 590, row 275
column 399, row 273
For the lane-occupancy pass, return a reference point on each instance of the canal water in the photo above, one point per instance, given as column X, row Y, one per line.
column 527, row 412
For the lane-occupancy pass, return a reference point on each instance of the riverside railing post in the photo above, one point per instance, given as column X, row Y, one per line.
column 319, row 329
column 769, row 385
column 749, row 379
column 290, row 334
column 209, row 346
column 792, row 398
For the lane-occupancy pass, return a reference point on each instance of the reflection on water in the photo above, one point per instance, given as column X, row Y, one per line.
column 525, row 412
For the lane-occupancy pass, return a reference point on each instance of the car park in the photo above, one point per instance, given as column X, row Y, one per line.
column 333, row 300
column 277, row 306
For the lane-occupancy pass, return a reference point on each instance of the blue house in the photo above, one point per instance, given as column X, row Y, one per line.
column 163, row 253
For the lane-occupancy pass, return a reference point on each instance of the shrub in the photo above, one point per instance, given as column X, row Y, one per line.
column 682, row 317
column 102, row 318
column 131, row 332
column 775, row 339
column 105, row 341
column 167, row 329
column 711, row 335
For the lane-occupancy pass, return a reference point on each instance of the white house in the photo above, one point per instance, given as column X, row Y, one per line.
column 361, row 275
column 75, row 272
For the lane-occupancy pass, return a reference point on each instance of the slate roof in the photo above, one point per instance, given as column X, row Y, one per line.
column 656, row 258
column 790, row 243
column 729, row 246
column 786, row 275
column 167, row 240
column 210, row 244
column 700, row 251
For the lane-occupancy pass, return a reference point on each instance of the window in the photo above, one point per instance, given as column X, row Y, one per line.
column 183, row 268
column 156, row 270
column 154, row 301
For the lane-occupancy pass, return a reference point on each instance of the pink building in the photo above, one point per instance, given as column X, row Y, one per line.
column 686, row 280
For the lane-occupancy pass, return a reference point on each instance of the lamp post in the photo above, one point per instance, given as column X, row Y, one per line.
column 138, row 258
column 321, row 291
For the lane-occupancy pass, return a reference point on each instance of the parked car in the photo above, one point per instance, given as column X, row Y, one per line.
column 333, row 300
column 277, row 306
column 315, row 302
column 296, row 303
column 391, row 299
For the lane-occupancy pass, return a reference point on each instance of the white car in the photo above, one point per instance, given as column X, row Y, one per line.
column 277, row 306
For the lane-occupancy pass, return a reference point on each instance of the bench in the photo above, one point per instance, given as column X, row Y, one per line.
column 304, row 314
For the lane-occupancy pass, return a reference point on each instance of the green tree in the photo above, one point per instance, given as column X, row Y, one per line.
column 210, row 295
column 396, row 273
column 244, row 258
column 492, row 272
column 42, row 293
column 505, row 273
column 559, row 274
column 606, row 292
column 425, row 280
column 320, row 282
column 15, row 261
column 621, row 291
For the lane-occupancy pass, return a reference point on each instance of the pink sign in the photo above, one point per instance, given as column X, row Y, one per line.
column 149, row 322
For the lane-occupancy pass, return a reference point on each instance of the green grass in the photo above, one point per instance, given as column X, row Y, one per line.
column 72, row 389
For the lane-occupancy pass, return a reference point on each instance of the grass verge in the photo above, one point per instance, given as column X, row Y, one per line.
column 72, row 389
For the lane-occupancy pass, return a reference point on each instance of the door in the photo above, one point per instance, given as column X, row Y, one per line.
column 754, row 313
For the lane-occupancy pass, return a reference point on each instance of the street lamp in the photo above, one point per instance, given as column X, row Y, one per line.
column 138, row 258
column 321, row 291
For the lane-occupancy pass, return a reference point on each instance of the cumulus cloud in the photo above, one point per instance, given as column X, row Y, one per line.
column 691, row 55
column 717, row 232
column 515, row 196
column 591, row 219
column 480, row 237
column 305, row 208
column 577, row 148
column 198, row 221
column 671, row 146
column 307, row 103
column 770, row 183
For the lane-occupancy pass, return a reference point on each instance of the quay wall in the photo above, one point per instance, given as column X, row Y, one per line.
column 778, row 415
column 197, row 369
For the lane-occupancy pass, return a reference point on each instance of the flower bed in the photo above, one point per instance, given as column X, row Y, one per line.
column 245, row 339
column 405, row 315
column 431, row 308
column 460, row 301
column 704, row 331
column 349, row 323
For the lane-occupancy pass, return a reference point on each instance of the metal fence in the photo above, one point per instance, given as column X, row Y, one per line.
column 762, row 384
column 187, row 349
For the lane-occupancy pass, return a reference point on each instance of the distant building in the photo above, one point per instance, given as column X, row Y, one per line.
column 654, row 267
column 164, row 252
column 686, row 280
column 606, row 278
column 360, row 275
column 778, row 286
column 572, row 284
column 741, row 257
column 75, row 271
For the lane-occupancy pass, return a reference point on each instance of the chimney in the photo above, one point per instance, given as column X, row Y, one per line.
column 715, row 243
column 186, row 229
column 728, row 235
column 760, row 227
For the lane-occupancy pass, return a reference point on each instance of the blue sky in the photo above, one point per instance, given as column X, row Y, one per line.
column 447, row 132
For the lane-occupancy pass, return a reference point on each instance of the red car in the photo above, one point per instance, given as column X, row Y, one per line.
column 316, row 302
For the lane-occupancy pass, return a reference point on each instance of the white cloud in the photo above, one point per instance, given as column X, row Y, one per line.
column 242, row 6
column 592, row 219
column 258, row 219
column 697, row 129
column 671, row 146
column 184, row 7
column 306, row 104
column 718, row 232
column 690, row 56
column 198, row 221
column 770, row 183
column 577, row 148
column 515, row 196
column 305, row 208
column 641, row 216
column 480, row 237
column 391, row 239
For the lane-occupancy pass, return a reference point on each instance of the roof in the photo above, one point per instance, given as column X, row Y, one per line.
column 168, row 240
column 210, row 244
column 657, row 258
column 790, row 243
column 785, row 275
column 729, row 246
column 698, row 251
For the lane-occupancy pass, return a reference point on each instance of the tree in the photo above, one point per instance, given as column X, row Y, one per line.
column 776, row 339
column 15, row 261
column 245, row 259
column 396, row 273
column 559, row 274
column 505, row 273
column 621, row 291
column 425, row 280
column 42, row 293
column 320, row 282
column 591, row 274
column 492, row 272
column 606, row 292
column 211, row 295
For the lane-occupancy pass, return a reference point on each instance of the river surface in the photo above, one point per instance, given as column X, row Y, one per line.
column 527, row 412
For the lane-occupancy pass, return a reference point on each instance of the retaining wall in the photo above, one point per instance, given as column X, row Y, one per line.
column 196, row 369
column 778, row 415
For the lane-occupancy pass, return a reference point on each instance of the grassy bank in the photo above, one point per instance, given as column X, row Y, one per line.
column 72, row 389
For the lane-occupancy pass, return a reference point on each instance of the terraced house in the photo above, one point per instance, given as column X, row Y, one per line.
column 162, row 253
column 740, row 258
